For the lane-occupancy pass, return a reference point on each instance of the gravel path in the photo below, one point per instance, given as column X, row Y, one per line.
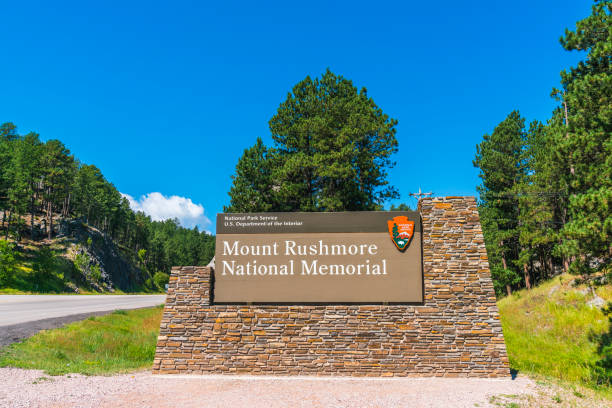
column 31, row 388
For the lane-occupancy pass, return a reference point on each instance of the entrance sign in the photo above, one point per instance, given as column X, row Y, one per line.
column 326, row 317
column 344, row 257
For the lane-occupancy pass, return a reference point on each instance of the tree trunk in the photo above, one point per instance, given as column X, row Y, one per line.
column 527, row 278
column 49, row 219
column 550, row 267
column 566, row 264
column 567, row 126
column 508, row 288
column 68, row 206
column 8, row 225
column 32, row 217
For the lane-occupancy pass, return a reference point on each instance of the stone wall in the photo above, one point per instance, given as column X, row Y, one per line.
column 455, row 332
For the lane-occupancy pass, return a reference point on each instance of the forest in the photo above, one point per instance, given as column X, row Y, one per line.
column 43, row 185
column 546, row 192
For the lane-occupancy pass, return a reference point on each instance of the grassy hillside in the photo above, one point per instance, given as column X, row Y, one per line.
column 25, row 276
column 80, row 259
column 553, row 330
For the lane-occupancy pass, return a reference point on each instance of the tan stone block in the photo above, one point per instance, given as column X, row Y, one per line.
column 443, row 205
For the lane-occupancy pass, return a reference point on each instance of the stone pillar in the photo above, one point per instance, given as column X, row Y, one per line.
column 182, row 321
column 458, row 281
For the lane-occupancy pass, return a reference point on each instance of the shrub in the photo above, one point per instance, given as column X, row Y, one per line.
column 96, row 274
column 45, row 261
column 149, row 284
column 81, row 261
column 161, row 279
column 603, row 367
column 7, row 262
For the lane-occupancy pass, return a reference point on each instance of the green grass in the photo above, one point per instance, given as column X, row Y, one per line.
column 551, row 331
column 119, row 342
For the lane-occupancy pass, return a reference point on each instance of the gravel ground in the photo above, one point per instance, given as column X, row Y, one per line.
column 31, row 388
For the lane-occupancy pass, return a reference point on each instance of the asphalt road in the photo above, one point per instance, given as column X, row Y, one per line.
column 16, row 309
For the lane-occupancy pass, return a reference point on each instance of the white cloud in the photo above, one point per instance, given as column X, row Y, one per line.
column 160, row 207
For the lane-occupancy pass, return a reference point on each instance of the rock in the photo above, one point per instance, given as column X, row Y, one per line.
column 71, row 286
column 583, row 291
column 596, row 302
column 115, row 270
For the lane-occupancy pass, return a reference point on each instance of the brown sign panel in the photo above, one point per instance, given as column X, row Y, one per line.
column 349, row 257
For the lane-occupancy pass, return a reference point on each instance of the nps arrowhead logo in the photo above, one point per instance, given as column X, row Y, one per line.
column 401, row 230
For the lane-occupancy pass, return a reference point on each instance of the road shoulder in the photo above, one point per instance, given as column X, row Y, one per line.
column 17, row 332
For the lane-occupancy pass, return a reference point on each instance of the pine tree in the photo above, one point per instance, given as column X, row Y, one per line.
column 536, row 208
column 334, row 146
column 25, row 174
column 586, row 143
column 57, row 172
column 332, row 149
column 8, row 134
column 500, row 160
column 400, row 207
column 253, row 189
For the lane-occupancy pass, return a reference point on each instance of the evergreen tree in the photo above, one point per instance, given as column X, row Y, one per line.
column 334, row 146
column 8, row 134
column 25, row 174
column 500, row 160
column 537, row 198
column 400, row 207
column 252, row 189
column 587, row 141
column 332, row 150
column 57, row 172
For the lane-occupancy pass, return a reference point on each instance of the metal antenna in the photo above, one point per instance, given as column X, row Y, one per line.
column 420, row 194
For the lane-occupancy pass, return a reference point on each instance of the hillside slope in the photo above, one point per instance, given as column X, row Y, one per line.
column 561, row 329
column 78, row 259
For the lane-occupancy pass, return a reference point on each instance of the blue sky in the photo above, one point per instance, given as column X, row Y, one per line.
column 164, row 96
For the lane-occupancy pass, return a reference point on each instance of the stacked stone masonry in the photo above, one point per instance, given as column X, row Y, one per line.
column 455, row 332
